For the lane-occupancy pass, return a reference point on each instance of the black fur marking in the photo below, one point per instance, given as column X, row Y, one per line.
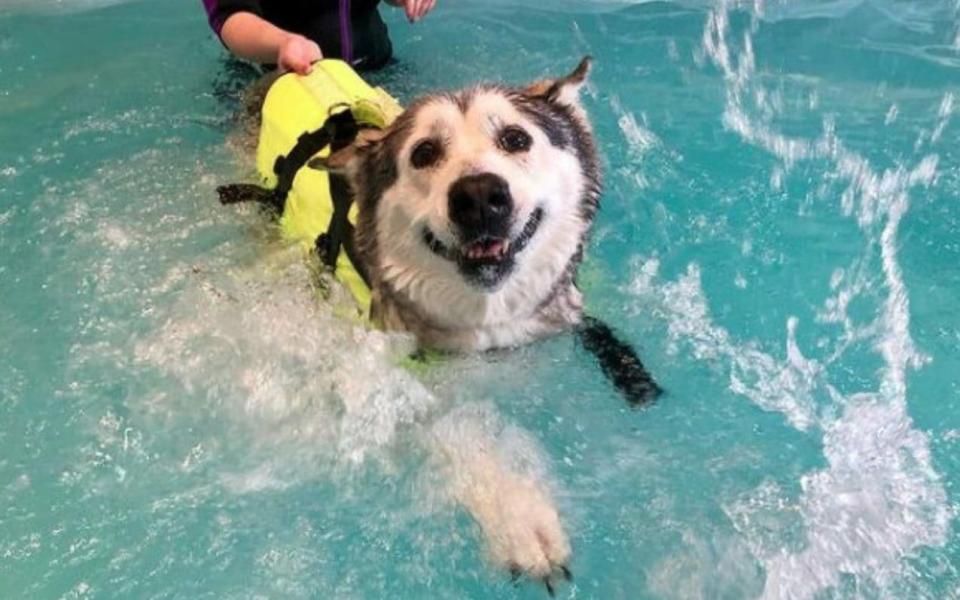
column 378, row 171
column 553, row 125
column 563, row 128
column 619, row 362
column 464, row 99
column 533, row 223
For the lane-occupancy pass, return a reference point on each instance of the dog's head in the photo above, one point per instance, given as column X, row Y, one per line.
column 482, row 192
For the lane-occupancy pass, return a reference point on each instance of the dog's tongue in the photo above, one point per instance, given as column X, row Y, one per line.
column 488, row 248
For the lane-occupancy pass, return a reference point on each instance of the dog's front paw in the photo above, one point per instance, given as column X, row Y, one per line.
column 523, row 532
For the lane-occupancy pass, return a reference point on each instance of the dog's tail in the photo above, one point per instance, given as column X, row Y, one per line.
column 619, row 362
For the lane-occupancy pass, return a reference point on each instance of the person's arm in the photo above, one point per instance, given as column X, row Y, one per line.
column 243, row 30
column 252, row 37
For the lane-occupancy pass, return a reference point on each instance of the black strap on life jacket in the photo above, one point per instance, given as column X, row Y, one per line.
column 339, row 130
column 339, row 233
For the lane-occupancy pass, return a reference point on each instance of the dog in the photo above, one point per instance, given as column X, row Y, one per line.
column 474, row 210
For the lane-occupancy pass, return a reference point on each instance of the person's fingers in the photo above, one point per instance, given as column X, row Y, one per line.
column 299, row 55
column 428, row 5
column 300, row 66
column 425, row 7
column 409, row 7
column 314, row 53
column 293, row 61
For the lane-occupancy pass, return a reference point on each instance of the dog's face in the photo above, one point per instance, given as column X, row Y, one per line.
column 487, row 192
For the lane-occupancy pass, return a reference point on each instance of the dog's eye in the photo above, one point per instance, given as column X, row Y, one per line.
column 425, row 154
column 514, row 139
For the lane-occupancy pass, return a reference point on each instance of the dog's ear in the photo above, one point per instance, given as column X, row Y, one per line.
column 345, row 160
column 565, row 90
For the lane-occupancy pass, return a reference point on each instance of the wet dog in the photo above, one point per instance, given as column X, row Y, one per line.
column 474, row 210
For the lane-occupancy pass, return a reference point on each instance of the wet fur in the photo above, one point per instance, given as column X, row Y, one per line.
column 415, row 291
column 541, row 297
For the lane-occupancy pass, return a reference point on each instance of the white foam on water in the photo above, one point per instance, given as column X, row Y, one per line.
column 253, row 343
column 891, row 114
column 56, row 6
column 6, row 215
column 640, row 141
column 781, row 386
column 879, row 500
column 320, row 395
column 956, row 39
column 943, row 114
column 297, row 373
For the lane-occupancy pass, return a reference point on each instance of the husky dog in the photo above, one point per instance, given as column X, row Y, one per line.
column 474, row 209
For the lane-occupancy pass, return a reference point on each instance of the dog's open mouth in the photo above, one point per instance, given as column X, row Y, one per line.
column 486, row 259
column 486, row 248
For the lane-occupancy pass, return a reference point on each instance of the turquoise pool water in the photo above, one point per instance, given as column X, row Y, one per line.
column 180, row 418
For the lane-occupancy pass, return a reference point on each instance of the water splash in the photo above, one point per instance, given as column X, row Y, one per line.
column 879, row 500
column 259, row 341
column 943, row 114
column 956, row 38
column 640, row 141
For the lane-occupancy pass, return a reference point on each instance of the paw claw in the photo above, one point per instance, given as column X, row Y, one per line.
column 549, row 585
column 566, row 572
column 524, row 533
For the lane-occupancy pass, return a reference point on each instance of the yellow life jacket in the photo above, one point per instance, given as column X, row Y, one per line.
column 302, row 117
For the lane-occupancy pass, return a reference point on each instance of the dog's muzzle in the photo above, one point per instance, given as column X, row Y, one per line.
column 481, row 210
column 480, row 206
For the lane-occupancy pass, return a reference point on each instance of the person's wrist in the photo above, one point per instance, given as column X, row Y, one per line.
column 285, row 40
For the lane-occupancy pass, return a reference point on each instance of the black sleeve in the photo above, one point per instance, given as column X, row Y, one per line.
column 218, row 11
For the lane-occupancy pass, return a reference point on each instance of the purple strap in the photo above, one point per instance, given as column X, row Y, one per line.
column 346, row 43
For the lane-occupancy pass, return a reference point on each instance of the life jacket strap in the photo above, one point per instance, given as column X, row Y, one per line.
column 339, row 130
column 339, row 234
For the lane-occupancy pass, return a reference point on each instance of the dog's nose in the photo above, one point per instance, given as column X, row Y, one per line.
column 480, row 203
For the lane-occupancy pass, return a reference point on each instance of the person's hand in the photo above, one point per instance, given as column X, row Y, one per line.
column 417, row 9
column 298, row 54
